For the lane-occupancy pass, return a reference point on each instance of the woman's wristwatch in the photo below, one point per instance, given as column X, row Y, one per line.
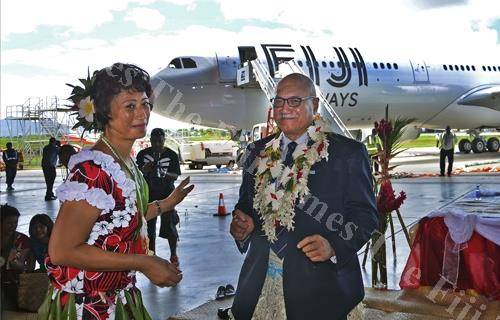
column 158, row 208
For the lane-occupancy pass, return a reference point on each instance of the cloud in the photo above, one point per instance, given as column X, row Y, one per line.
column 375, row 24
column 438, row 3
column 392, row 29
column 86, row 43
column 24, row 16
column 190, row 4
column 144, row 18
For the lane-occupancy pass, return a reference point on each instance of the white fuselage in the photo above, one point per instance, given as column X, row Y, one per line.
column 352, row 80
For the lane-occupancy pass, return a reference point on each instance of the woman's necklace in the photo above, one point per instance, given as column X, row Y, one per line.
column 141, row 187
column 119, row 158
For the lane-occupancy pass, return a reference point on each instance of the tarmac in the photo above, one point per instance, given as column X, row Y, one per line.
column 207, row 253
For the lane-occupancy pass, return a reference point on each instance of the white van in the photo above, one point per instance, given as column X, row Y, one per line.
column 207, row 153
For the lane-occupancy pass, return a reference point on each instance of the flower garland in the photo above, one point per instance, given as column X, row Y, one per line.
column 277, row 187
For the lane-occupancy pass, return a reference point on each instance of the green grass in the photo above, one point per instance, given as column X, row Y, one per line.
column 420, row 142
column 208, row 137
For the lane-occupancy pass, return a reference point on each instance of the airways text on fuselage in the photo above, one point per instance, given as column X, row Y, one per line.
column 277, row 53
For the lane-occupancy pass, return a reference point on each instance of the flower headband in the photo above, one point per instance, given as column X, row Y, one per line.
column 82, row 99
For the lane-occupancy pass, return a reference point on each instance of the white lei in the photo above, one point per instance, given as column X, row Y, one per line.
column 278, row 187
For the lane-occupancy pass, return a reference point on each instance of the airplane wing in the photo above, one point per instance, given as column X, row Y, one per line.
column 485, row 96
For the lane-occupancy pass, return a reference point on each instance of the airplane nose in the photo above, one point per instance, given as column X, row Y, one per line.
column 166, row 90
column 176, row 90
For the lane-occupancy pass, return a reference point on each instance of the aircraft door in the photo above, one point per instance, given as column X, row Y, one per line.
column 247, row 54
column 420, row 72
column 228, row 66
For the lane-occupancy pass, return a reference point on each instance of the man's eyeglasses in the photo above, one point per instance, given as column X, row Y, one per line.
column 294, row 102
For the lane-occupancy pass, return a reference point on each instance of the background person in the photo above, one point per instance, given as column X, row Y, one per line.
column 16, row 253
column 160, row 166
column 39, row 230
column 65, row 153
column 10, row 158
column 99, row 239
column 49, row 162
column 310, row 271
column 446, row 143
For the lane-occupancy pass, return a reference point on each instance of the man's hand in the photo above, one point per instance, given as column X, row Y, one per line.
column 148, row 167
column 316, row 248
column 241, row 226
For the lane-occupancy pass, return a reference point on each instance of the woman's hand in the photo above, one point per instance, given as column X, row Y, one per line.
column 180, row 192
column 161, row 272
column 171, row 201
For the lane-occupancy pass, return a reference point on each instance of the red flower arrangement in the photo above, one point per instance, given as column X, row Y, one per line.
column 387, row 200
column 388, row 134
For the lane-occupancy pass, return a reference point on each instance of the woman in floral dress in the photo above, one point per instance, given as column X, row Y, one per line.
column 99, row 239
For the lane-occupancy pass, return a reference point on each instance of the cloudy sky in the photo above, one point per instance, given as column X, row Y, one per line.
column 45, row 44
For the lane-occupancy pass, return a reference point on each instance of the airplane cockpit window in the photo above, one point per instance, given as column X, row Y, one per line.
column 188, row 63
column 175, row 64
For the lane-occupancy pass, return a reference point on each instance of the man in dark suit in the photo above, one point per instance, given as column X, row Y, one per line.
column 310, row 271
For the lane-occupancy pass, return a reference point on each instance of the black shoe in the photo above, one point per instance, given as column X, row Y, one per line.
column 223, row 313
column 50, row 198
column 10, row 188
column 441, row 174
column 449, row 174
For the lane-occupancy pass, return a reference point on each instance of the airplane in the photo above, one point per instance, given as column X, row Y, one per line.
column 219, row 90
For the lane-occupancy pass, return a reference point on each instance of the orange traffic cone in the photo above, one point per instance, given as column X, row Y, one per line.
column 221, row 211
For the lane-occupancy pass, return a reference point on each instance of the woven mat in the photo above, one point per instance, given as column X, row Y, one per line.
column 391, row 305
column 10, row 315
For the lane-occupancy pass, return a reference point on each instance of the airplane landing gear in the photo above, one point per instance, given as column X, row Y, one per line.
column 493, row 144
column 464, row 146
column 478, row 145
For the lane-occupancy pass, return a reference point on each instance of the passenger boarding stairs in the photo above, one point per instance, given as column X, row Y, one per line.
column 268, row 85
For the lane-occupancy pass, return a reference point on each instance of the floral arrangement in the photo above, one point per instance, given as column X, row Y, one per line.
column 83, row 103
column 387, row 200
column 278, row 187
column 389, row 135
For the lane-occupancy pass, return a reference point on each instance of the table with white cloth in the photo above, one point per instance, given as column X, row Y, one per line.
column 460, row 244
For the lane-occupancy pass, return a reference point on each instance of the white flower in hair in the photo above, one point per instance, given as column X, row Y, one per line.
column 86, row 109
